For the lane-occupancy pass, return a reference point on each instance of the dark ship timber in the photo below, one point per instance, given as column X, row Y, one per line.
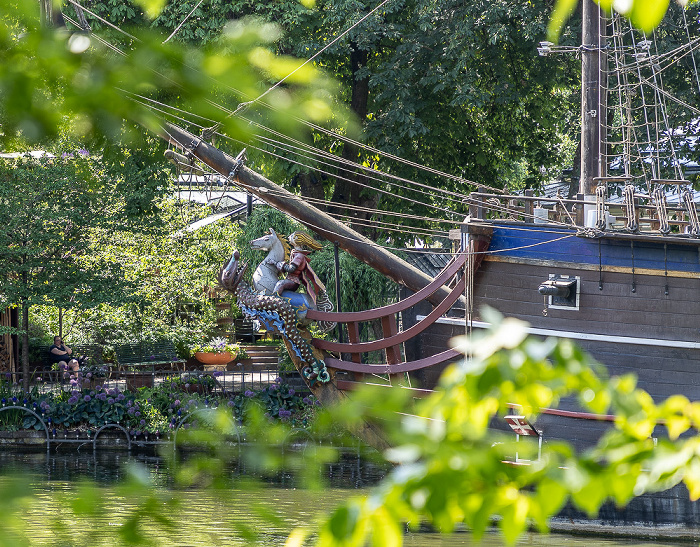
column 633, row 304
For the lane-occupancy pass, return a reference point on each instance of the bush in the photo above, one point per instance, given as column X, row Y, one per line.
column 152, row 410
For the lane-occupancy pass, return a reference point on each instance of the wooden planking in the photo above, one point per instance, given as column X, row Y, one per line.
column 600, row 311
column 661, row 371
column 514, row 275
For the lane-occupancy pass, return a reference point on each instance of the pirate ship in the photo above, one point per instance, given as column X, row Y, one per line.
column 615, row 267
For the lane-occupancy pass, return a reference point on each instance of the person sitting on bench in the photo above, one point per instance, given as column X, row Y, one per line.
column 63, row 355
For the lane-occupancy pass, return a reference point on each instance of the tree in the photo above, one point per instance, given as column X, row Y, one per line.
column 51, row 206
column 47, row 74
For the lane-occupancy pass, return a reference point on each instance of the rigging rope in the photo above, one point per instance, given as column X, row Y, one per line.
column 183, row 22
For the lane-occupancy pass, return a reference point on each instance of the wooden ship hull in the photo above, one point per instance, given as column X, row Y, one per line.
column 634, row 307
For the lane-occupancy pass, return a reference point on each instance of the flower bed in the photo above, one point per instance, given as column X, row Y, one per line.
column 154, row 410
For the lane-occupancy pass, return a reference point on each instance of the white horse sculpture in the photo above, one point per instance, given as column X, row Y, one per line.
column 266, row 275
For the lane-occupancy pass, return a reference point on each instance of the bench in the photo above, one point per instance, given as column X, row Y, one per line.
column 160, row 355
column 245, row 332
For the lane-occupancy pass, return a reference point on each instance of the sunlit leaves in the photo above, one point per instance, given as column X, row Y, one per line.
column 453, row 466
column 644, row 14
column 560, row 15
column 151, row 7
column 47, row 74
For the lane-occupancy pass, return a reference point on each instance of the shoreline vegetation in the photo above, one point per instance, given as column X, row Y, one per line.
column 84, row 407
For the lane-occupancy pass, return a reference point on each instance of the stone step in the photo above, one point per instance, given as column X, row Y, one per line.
column 261, row 350
column 267, row 363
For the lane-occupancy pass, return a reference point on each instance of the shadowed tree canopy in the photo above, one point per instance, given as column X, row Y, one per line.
column 454, row 86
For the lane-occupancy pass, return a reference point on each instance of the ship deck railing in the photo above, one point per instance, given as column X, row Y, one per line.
column 528, row 208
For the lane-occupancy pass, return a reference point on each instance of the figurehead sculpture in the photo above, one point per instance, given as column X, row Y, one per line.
column 276, row 303
column 298, row 270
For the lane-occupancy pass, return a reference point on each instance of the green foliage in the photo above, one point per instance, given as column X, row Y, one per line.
column 46, row 74
column 361, row 286
column 644, row 14
column 215, row 345
column 49, row 209
column 166, row 273
column 258, row 224
column 453, row 468
column 91, row 404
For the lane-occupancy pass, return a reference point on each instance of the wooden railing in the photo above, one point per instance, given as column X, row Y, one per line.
column 392, row 339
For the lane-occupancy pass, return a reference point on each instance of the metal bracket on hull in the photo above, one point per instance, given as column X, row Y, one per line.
column 562, row 292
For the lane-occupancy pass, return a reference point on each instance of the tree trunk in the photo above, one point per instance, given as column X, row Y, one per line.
column 311, row 187
column 346, row 191
column 25, row 345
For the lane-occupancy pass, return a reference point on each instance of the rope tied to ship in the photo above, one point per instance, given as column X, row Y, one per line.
column 601, row 192
column 659, row 198
column 630, row 208
column 589, row 232
column 563, row 206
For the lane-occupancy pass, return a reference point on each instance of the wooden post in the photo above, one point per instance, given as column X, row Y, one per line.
column 529, row 215
column 592, row 111
column 336, row 258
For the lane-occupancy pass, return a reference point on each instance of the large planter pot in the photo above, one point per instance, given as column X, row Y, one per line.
column 214, row 358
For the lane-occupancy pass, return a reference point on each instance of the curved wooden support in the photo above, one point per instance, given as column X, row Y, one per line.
column 398, row 368
column 448, row 271
column 361, row 347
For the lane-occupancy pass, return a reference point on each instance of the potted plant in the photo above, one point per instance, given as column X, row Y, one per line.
column 218, row 351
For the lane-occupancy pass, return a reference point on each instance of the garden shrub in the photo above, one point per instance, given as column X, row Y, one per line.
column 155, row 410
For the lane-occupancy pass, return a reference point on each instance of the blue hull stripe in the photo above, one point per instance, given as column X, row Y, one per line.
column 547, row 244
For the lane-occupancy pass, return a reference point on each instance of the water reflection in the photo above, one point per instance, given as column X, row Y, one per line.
column 208, row 517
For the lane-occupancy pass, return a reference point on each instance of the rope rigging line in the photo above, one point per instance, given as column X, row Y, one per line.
column 358, row 208
column 310, row 59
column 101, row 19
column 495, row 207
column 318, row 152
column 349, row 168
column 359, row 165
column 380, row 211
column 311, row 125
column 381, row 191
column 644, row 136
column 183, row 22
column 390, row 227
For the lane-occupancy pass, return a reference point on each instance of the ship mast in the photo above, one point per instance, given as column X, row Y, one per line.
column 593, row 111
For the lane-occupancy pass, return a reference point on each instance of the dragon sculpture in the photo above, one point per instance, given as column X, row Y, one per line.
column 277, row 313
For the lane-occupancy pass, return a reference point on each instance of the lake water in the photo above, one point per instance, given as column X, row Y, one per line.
column 227, row 515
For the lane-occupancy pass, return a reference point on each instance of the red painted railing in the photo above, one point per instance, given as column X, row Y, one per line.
column 392, row 340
